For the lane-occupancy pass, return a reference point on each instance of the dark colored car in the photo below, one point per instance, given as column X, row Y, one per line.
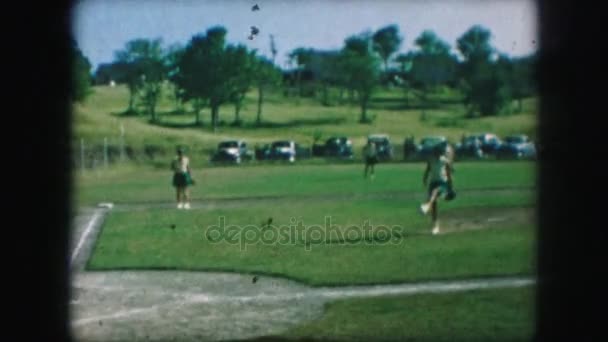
column 490, row 143
column 340, row 147
column 517, row 147
column 283, row 150
column 469, row 147
column 384, row 148
column 232, row 151
column 427, row 145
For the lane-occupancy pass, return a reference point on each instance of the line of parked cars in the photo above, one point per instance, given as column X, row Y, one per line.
column 474, row 146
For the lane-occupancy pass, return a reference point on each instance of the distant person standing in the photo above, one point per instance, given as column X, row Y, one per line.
column 439, row 170
column 370, row 153
column 182, row 179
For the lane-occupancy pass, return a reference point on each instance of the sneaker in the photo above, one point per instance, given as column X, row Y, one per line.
column 436, row 230
column 180, row 205
column 424, row 208
column 187, row 206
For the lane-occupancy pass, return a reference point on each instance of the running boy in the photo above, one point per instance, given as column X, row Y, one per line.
column 439, row 168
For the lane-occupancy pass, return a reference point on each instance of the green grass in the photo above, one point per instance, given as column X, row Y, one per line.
column 286, row 118
column 487, row 315
column 143, row 239
column 125, row 184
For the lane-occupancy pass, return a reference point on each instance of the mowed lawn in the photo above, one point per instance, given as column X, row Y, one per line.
column 372, row 233
column 481, row 315
column 131, row 183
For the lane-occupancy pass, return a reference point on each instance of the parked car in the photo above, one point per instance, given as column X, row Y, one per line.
column 340, row 147
column 469, row 147
column 232, row 151
column 427, row 144
column 283, row 150
column 517, row 147
column 383, row 146
column 490, row 143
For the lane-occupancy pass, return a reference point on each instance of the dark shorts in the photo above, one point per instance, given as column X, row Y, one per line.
column 371, row 160
column 444, row 188
column 181, row 179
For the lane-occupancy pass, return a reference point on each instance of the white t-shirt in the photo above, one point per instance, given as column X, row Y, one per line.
column 438, row 171
column 181, row 165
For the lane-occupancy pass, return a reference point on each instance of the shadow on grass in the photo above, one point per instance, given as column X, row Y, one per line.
column 295, row 123
column 396, row 103
column 127, row 112
column 176, row 124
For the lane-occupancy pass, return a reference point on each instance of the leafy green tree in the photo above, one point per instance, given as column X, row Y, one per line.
column 386, row 42
column 432, row 65
column 81, row 75
column 266, row 75
column 207, row 71
column 360, row 69
column 519, row 75
column 244, row 62
column 171, row 58
column 483, row 84
column 143, row 61
column 301, row 57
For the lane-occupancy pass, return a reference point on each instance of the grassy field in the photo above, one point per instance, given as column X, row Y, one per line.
column 329, row 225
column 401, row 250
column 488, row 315
column 286, row 118
column 131, row 183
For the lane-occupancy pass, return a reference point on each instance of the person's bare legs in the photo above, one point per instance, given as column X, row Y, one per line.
column 186, row 198
column 179, row 192
column 434, row 217
column 373, row 167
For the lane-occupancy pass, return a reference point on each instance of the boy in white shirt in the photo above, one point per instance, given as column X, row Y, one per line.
column 439, row 168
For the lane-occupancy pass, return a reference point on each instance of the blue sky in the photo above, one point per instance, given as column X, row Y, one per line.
column 103, row 26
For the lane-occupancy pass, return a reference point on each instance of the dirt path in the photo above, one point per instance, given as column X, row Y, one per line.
column 195, row 306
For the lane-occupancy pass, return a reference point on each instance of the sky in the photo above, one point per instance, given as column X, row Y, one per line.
column 102, row 27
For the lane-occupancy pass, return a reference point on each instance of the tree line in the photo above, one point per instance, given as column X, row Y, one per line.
column 208, row 72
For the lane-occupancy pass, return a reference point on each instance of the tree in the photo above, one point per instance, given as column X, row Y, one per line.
column 431, row 65
column 386, row 42
column 301, row 58
column 360, row 70
column 405, row 65
column 325, row 66
column 266, row 74
column 245, row 64
column 142, row 59
column 519, row 75
column 81, row 75
column 207, row 73
column 171, row 58
column 483, row 85
column 474, row 44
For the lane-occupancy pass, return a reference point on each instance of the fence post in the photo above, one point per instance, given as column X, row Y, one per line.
column 82, row 155
column 105, row 153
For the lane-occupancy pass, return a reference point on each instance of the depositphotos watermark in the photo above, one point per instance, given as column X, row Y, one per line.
column 297, row 233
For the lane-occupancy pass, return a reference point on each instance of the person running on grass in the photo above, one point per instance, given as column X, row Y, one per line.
column 439, row 168
column 182, row 179
column 370, row 154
